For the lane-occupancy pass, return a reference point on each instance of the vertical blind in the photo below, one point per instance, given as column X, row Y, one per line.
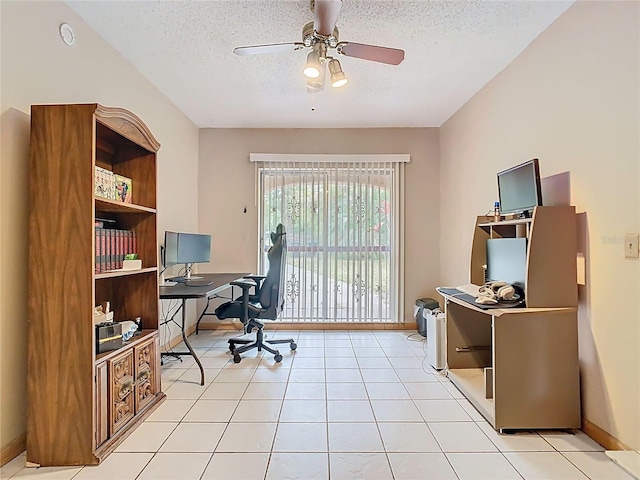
column 343, row 222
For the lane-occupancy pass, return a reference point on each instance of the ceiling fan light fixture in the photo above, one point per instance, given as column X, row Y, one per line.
column 312, row 67
column 338, row 78
column 315, row 85
column 321, row 35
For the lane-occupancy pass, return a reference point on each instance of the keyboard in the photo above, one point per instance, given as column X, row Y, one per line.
column 469, row 289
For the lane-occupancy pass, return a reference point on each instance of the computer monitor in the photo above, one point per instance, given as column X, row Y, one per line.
column 519, row 188
column 507, row 260
column 187, row 249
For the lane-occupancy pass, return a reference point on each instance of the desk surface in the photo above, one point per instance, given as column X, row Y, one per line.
column 220, row 281
column 496, row 312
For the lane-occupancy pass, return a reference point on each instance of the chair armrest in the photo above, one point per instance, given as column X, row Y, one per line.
column 242, row 284
column 255, row 277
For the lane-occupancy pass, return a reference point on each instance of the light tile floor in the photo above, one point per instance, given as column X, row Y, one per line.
column 345, row 405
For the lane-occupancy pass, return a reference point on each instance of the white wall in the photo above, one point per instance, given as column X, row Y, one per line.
column 571, row 99
column 37, row 67
column 227, row 185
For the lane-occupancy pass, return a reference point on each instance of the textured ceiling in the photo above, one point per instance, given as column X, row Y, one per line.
column 453, row 48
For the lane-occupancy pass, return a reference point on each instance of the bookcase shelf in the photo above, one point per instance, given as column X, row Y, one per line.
column 122, row 273
column 515, row 221
column 82, row 405
column 145, row 335
column 106, row 205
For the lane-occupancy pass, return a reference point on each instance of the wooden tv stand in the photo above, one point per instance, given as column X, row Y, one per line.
column 519, row 366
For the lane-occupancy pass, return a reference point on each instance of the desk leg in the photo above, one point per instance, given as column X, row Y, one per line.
column 175, row 355
column 186, row 342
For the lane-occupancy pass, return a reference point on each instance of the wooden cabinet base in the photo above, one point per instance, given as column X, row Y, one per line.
column 94, row 458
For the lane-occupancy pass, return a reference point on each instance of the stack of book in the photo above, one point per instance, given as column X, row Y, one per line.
column 111, row 247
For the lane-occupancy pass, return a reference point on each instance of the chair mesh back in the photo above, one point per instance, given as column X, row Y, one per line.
column 273, row 285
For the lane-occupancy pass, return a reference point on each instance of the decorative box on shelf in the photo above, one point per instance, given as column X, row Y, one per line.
column 132, row 264
column 108, row 337
column 122, row 188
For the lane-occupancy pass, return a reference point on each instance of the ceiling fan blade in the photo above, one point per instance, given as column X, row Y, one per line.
column 391, row 56
column 268, row 49
column 326, row 16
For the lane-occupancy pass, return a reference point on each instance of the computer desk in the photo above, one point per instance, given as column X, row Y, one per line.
column 220, row 282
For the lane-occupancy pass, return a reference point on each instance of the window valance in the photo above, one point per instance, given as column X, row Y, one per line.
column 329, row 158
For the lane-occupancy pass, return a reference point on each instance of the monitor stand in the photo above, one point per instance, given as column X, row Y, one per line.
column 187, row 276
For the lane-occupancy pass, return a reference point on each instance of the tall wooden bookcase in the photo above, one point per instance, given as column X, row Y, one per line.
column 81, row 405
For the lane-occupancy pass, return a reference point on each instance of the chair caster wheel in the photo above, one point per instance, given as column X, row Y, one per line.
column 293, row 346
column 278, row 358
column 236, row 358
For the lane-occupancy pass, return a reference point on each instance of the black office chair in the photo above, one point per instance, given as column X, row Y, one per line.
column 266, row 301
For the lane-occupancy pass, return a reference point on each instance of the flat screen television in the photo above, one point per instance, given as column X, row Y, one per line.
column 519, row 188
column 187, row 249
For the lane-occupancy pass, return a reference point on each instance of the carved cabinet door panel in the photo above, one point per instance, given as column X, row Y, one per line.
column 121, row 386
column 146, row 372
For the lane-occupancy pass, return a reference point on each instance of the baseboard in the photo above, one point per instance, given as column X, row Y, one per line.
column 313, row 326
column 604, row 438
column 13, row 449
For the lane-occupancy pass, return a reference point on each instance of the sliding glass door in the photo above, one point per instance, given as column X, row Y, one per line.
column 342, row 238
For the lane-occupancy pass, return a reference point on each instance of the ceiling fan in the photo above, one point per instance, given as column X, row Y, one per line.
column 321, row 36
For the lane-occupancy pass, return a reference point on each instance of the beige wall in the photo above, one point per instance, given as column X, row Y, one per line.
column 571, row 99
column 37, row 67
column 226, row 186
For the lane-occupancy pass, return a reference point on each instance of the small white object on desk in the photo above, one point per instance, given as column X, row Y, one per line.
column 168, row 283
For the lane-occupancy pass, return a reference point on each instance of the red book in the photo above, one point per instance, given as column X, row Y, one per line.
column 123, row 246
column 123, row 239
column 134, row 245
column 107, row 250
column 97, row 250
column 118, row 249
column 107, row 263
column 103, row 249
column 113, row 250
